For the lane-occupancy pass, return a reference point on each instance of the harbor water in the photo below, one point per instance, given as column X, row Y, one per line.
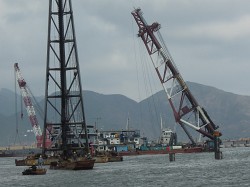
column 194, row 170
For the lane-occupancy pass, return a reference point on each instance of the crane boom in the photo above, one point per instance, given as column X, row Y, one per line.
column 187, row 111
column 64, row 109
column 29, row 106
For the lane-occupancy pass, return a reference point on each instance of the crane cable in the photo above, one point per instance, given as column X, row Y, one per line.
column 147, row 81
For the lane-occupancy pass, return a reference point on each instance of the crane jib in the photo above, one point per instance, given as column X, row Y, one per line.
column 180, row 97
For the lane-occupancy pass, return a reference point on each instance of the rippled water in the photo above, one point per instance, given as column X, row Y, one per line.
column 192, row 170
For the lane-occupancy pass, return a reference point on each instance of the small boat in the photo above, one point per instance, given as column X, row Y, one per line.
column 33, row 170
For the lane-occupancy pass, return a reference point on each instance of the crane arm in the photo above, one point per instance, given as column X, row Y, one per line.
column 29, row 106
column 186, row 109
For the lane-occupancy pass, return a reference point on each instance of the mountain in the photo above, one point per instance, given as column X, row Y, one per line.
column 230, row 111
column 7, row 103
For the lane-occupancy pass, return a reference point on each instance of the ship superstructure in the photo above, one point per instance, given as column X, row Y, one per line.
column 120, row 140
column 166, row 135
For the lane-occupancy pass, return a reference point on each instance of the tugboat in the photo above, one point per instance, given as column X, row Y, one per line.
column 33, row 170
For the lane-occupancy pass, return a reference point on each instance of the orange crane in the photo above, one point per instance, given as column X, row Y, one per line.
column 187, row 112
column 30, row 108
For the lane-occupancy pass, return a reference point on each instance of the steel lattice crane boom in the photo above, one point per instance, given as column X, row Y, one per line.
column 187, row 111
column 64, row 110
column 29, row 107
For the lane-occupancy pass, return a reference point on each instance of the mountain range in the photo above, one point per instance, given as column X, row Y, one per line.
column 115, row 112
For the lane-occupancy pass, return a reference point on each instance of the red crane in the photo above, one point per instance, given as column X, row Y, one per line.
column 30, row 108
column 187, row 111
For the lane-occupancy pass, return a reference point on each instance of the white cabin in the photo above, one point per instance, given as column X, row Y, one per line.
column 166, row 134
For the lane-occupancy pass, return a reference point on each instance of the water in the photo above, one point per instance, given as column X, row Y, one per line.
column 194, row 170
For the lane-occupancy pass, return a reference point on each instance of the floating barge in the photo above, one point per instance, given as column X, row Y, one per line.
column 80, row 164
column 117, row 158
column 30, row 161
column 101, row 159
column 161, row 151
column 6, row 154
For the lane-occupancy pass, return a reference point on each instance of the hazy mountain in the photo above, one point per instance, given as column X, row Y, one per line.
column 230, row 111
column 7, row 102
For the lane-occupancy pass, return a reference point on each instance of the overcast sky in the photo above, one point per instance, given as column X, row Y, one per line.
column 209, row 41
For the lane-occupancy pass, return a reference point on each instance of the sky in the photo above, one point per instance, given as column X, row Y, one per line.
column 209, row 41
